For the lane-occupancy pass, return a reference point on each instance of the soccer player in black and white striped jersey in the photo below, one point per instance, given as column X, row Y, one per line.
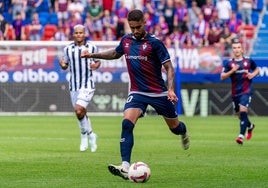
column 81, row 83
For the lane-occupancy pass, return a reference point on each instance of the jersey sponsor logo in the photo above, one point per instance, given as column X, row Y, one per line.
column 136, row 57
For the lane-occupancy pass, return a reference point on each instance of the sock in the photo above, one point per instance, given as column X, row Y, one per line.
column 180, row 129
column 127, row 140
column 125, row 165
column 85, row 125
column 244, row 122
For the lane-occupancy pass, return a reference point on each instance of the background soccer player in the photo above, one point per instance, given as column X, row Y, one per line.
column 81, row 83
column 145, row 55
column 241, row 70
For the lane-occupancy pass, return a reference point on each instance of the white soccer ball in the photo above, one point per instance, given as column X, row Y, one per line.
column 139, row 172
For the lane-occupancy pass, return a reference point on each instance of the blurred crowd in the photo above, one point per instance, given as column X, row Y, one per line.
column 190, row 23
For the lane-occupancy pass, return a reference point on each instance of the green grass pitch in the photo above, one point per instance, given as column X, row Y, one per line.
column 43, row 152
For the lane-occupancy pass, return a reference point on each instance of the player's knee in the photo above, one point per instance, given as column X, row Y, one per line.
column 127, row 125
column 80, row 113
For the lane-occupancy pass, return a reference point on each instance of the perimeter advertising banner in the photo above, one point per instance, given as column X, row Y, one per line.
column 39, row 63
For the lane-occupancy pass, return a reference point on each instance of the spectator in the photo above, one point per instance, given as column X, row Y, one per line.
column 149, row 25
column 72, row 21
column 245, row 7
column 18, row 6
column 61, row 8
column 160, row 7
column 76, row 8
column 95, row 12
column 61, row 34
column 181, row 15
column 109, row 21
column 235, row 23
column 214, row 36
column 108, row 35
column 121, row 14
column 215, row 21
column 224, row 9
column 17, row 25
column 89, row 28
column 175, row 36
column 161, row 29
column 226, row 41
column 133, row 4
column 31, row 8
column 188, row 41
column 169, row 13
column 207, row 10
column 3, row 24
column 1, row 35
column 193, row 13
column 201, row 29
column 35, row 28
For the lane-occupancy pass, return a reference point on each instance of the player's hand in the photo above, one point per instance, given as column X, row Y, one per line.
column 172, row 96
column 85, row 54
column 235, row 68
column 250, row 75
column 63, row 63
column 96, row 65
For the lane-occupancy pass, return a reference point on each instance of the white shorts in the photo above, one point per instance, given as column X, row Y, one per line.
column 81, row 97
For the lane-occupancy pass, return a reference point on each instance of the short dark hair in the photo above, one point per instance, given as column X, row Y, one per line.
column 236, row 40
column 135, row 15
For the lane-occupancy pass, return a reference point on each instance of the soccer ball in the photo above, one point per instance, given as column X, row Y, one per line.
column 139, row 172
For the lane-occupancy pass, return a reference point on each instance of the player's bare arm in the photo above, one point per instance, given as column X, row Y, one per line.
column 63, row 64
column 253, row 74
column 108, row 54
column 170, row 76
column 95, row 65
column 225, row 75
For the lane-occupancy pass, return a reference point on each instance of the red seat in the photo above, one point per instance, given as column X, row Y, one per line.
column 248, row 31
column 49, row 32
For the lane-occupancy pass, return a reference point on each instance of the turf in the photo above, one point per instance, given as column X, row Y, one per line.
column 43, row 151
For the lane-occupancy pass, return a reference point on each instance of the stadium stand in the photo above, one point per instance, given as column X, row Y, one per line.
column 47, row 15
column 260, row 47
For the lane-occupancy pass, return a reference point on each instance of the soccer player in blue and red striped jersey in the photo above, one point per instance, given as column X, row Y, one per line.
column 241, row 70
column 145, row 56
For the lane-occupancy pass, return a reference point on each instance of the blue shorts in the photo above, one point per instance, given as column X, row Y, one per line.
column 243, row 100
column 162, row 105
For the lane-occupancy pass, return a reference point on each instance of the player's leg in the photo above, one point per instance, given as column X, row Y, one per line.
column 81, row 100
column 241, row 105
column 167, row 109
column 132, row 111
column 244, row 105
column 236, row 107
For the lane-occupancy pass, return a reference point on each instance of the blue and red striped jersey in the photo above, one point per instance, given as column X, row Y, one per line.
column 240, row 83
column 144, row 60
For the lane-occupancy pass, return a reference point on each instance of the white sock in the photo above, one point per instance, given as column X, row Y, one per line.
column 85, row 125
column 125, row 165
column 241, row 136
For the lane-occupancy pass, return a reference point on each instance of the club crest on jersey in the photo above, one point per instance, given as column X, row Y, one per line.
column 144, row 46
column 127, row 45
column 245, row 63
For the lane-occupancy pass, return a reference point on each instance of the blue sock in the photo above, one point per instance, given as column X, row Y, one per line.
column 180, row 129
column 244, row 122
column 127, row 140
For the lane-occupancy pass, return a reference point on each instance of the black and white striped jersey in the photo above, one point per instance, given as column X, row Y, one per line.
column 80, row 73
